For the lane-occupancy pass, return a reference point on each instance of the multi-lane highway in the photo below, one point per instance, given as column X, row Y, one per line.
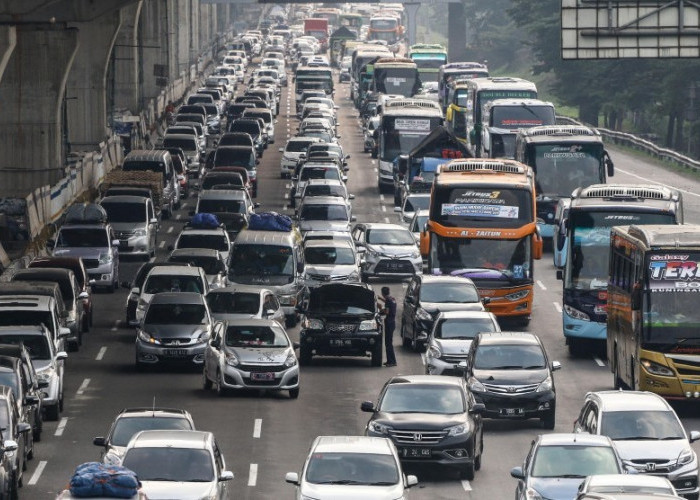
column 265, row 435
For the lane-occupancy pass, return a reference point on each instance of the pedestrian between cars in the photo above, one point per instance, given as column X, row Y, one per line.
column 389, row 312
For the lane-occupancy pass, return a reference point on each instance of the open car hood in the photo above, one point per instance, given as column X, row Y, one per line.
column 358, row 296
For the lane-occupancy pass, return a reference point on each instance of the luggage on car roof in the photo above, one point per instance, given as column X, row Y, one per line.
column 204, row 221
column 270, row 221
column 86, row 213
column 94, row 479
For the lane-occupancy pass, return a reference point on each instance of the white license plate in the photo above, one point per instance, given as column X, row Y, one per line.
column 266, row 376
column 512, row 411
column 340, row 342
column 175, row 353
column 416, row 452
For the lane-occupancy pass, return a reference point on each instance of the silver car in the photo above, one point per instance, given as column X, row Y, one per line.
column 244, row 302
column 340, row 467
column 134, row 222
column 449, row 341
column 328, row 213
column 327, row 260
column 389, row 251
column 251, row 354
column 211, row 261
column 411, row 204
column 187, row 465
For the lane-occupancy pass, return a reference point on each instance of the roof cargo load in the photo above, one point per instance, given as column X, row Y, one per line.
column 204, row 221
column 85, row 213
column 94, row 479
column 143, row 179
column 270, row 221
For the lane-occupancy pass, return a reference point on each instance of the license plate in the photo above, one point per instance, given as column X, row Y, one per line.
column 262, row 376
column 511, row 412
column 394, row 265
column 416, row 452
column 340, row 342
column 175, row 353
column 124, row 243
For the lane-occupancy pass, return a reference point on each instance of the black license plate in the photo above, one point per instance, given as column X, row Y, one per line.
column 175, row 353
column 266, row 376
column 512, row 412
column 416, row 452
column 340, row 342
column 124, row 244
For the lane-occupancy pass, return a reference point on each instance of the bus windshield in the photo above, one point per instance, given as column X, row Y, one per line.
column 515, row 117
column 383, row 24
column 561, row 168
column 401, row 134
column 403, row 81
column 485, row 96
column 455, row 206
column 433, row 61
column 587, row 267
column 508, row 260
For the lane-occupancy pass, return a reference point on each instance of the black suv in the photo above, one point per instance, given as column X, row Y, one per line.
column 15, row 433
column 30, row 382
column 27, row 396
column 340, row 319
column 511, row 374
column 426, row 297
column 431, row 420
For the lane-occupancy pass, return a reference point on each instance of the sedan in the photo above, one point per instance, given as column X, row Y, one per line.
column 244, row 302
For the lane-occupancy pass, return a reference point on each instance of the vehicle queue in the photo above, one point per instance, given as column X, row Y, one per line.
column 239, row 279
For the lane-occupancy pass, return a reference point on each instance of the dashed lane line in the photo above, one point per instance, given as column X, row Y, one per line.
column 383, row 208
column 101, row 353
column 83, row 387
column 541, row 285
column 257, row 428
column 599, row 361
column 37, row 473
column 386, row 219
column 466, row 485
column 115, row 326
column 170, row 229
column 61, row 427
column 381, row 197
column 557, row 306
column 161, row 244
column 657, row 182
column 253, row 475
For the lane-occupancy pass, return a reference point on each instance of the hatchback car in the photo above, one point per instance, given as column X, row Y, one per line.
column 647, row 433
column 431, row 420
column 131, row 421
column 175, row 328
column 291, row 152
column 389, row 251
column 211, row 262
column 195, row 237
column 170, row 278
column 13, row 437
column 178, row 464
column 511, row 374
column 351, row 467
column 633, row 484
column 327, row 260
column 244, row 302
column 557, row 464
column 251, row 354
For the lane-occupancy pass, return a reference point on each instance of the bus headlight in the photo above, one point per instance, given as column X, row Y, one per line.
column 521, row 294
column 576, row 314
column 657, row 369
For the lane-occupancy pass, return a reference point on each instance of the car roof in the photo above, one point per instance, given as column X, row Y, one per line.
column 465, row 315
column 328, row 243
column 430, row 278
column 194, row 252
column 426, row 380
column 627, row 480
column 509, row 338
column 324, row 182
column 171, row 439
column 324, row 200
column 239, row 289
column 223, row 194
column 177, row 298
column 252, row 322
column 174, row 270
column 23, row 330
column 574, row 439
column 34, row 302
column 124, row 198
column 155, row 411
column 352, row 444
column 8, row 363
column 383, row 225
column 629, row 401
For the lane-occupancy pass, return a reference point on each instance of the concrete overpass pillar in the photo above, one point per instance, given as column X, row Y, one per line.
column 456, row 32
column 157, row 57
column 8, row 42
column 86, row 91
column 31, row 92
column 182, row 14
column 126, row 60
column 205, row 33
column 411, row 10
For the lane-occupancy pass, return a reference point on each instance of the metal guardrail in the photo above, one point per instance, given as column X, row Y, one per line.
column 640, row 144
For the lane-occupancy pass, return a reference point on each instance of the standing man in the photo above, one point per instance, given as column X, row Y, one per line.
column 389, row 313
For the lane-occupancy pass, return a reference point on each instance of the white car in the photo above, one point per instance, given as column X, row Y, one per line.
column 244, row 302
column 328, row 260
column 175, row 278
column 340, row 467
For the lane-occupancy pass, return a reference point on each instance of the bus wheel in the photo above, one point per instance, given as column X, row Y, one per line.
column 576, row 347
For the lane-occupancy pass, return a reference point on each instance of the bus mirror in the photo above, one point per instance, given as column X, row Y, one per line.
column 609, row 164
column 560, row 274
column 537, row 247
column 636, row 297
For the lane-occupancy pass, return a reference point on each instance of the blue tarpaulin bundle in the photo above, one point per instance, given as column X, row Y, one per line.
column 95, row 479
column 270, row 221
column 204, row 221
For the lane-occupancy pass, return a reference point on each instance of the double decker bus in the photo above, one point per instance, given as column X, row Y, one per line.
column 308, row 78
column 465, row 116
column 653, row 315
column 593, row 211
column 452, row 72
column 403, row 124
column 396, row 76
column 429, row 57
column 482, row 226
column 564, row 157
column 385, row 27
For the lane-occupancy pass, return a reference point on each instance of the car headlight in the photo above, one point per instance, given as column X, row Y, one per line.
column 415, row 254
column 476, row 386
column 142, row 305
column 531, row 494
column 203, row 337
column 232, row 360
column 379, row 428
column 517, row 295
column 105, row 258
column 112, row 459
column 576, row 314
column 423, row 315
column 147, row 338
column 368, row 324
column 353, row 276
column 458, row 430
column 657, row 369
column 291, row 360
column 434, row 351
column 140, row 232
column 686, row 456
column 313, row 324
column 546, row 385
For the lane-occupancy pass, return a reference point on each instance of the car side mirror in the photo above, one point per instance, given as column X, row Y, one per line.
column 292, row 478
column 517, row 473
column 215, row 343
column 191, row 213
column 486, row 300
column 83, row 295
column 367, row 406
column 99, row 441
column 136, row 290
column 397, row 209
column 694, row 436
column 411, row 480
column 300, row 267
column 281, row 150
column 256, row 205
column 477, row 408
column 63, row 332
column 351, row 197
column 556, row 365
column 153, row 220
column 10, row 445
column 270, row 312
column 353, row 218
column 61, row 355
column 296, row 345
column 50, row 243
column 257, row 161
column 24, row 427
column 347, row 157
column 171, row 248
column 32, row 400
column 41, row 384
column 226, row 475
column 115, row 243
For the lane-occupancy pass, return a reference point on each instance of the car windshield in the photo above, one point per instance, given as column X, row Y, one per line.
column 390, row 237
column 213, row 241
column 352, row 468
column 329, row 256
column 166, row 283
column 448, row 293
column 574, row 461
column 4, row 417
column 233, row 303
column 10, row 380
column 297, row 146
column 320, row 173
column 234, row 179
column 210, row 265
column 126, row 427
column 170, row 464
column 324, row 190
column 228, row 206
column 414, row 203
column 125, row 212
column 463, row 328
column 255, row 336
column 324, row 212
column 176, row 314
column 413, row 398
column 186, row 144
column 37, row 345
column 641, row 424
column 23, row 317
column 82, row 237
column 509, row 357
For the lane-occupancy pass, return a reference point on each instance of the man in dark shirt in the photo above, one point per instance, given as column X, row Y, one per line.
column 389, row 324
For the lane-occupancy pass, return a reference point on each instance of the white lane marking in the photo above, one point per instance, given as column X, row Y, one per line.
column 101, row 353
column 37, row 473
column 374, row 162
column 253, row 475
column 257, row 428
column 466, row 485
column 116, row 325
column 386, row 219
column 381, row 197
column 286, row 196
column 383, row 208
column 657, row 182
column 557, row 306
column 61, row 427
column 423, row 358
column 161, row 244
column 170, row 229
column 178, row 217
column 376, row 171
column 184, row 204
column 83, row 386
column 541, row 285
column 599, row 361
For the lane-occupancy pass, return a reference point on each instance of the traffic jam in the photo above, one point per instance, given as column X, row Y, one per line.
column 248, row 265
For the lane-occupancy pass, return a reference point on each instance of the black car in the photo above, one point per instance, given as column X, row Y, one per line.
column 12, row 438
column 252, row 127
column 510, row 373
column 30, row 380
column 431, row 420
column 426, row 297
column 340, row 319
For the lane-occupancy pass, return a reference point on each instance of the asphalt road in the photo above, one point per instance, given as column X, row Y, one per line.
column 264, row 435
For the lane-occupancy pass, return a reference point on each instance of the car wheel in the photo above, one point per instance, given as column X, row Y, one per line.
column 294, row 393
column 36, row 433
column 60, row 400
column 576, row 347
column 14, row 487
column 548, row 420
column 177, row 205
column 477, row 460
column 112, row 288
column 206, row 383
column 86, row 323
column 52, row 412
column 140, row 367
column 364, row 277
column 305, row 355
column 221, row 391
column 290, row 321
column 377, row 355
column 73, row 346
column 468, row 472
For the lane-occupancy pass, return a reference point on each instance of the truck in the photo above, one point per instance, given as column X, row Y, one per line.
column 317, row 28
column 145, row 183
